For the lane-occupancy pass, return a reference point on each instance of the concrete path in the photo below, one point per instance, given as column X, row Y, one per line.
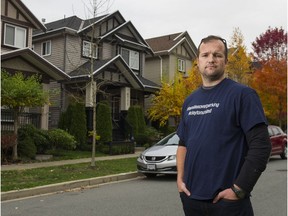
column 64, row 162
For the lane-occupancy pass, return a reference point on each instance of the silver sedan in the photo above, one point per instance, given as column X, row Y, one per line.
column 159, row 158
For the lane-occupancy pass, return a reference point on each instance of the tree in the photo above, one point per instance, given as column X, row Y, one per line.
column 270, row 81
column 169, row 99
column 271, row 44
column 238, row 61
column 270, row 78
column 19, row 92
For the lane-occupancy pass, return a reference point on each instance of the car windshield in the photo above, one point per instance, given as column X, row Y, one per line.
column 171, row 139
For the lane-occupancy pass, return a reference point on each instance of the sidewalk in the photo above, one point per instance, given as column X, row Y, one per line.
column 67, row 186
column 64, row 162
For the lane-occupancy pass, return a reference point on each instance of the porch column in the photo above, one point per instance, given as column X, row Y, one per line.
column 125, row 98
column 45, row 111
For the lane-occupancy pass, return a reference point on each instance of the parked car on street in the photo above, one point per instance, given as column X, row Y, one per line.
column 159, row 158
column 278, row 141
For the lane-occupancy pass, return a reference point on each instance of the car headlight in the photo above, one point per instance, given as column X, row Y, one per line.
column 141, row 156
column 172, row 157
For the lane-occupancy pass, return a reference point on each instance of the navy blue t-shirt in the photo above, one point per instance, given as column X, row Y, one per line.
column 213, row 126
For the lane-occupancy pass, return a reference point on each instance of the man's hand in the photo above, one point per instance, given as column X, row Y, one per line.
column 182, row 187
column 225, row 194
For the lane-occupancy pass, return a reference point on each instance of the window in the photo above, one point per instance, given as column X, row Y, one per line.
column 89, row 48
column 181, row 65
column 46, row 48
column 131, row 57
column 14, row 36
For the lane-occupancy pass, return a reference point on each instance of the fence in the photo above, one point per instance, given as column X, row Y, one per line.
column 7, row 120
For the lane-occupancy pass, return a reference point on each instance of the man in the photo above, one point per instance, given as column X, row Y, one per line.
column 224, row 143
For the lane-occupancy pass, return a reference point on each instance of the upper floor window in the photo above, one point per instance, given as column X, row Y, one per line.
column 14, row 36
column 89, row 49
column 181, row 65
column 46, row 48
column 131, row 57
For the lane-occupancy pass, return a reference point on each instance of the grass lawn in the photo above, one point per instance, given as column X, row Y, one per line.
column 20, row 179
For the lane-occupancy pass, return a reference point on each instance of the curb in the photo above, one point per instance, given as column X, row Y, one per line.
column 66, row 186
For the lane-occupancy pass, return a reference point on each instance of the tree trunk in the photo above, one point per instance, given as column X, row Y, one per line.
column 16, row 126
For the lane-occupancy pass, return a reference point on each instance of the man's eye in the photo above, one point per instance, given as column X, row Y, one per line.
column 218, row 55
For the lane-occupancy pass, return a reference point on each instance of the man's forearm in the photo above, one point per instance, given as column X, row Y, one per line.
column 180, row 160
column 256, row 159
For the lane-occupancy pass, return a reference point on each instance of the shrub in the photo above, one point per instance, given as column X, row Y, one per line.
column 61, row 139
column 132, row 119
column 149, row 136
column 27, row 148
column 41, row 140
column 8, row 140
column 104, row 123
column 74, row 122
column 140, row 119
column 78, row 127
column 116, row 148
column 39, row 137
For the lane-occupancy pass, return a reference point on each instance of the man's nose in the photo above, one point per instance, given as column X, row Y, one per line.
column 211, row 58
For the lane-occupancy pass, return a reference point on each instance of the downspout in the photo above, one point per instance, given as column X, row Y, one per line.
column 161, row 69
column 62, row 104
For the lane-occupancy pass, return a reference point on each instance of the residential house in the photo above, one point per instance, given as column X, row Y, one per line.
column 172, row 53
column 107, row 48
column 17, row 24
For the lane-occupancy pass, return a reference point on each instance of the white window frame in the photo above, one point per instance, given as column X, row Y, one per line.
column 45, row 51
column 16, row 32
column 86, row 49
column 134, row 58
column 181, row 65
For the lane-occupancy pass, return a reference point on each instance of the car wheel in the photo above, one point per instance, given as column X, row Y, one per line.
column 284, row 154
column 150, row 175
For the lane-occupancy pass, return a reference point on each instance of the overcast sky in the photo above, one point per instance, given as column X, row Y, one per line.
column 200, row 18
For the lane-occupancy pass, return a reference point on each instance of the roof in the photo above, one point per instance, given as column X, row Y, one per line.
column 28, row 14
column 32, row 58
column 72, row 22
column 99, row 66
column 75, row 23
column 165, row 44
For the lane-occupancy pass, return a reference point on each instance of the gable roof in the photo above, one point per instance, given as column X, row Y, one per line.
column 27, row 14
column 165, row 44
column 137, row 40
column 76, row 24
column 72, row 23
column 90, row 22
column 34, row 59
column 99, row 66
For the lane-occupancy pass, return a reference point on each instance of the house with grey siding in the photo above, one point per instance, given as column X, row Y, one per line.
column 17, row 24
column 107, row 48
column 173, row 53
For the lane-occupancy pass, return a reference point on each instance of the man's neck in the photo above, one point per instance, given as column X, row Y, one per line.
column 207, row 83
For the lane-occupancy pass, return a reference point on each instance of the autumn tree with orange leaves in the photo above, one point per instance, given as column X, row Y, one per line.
column 270, row 78
column 168, row 101
column 238, row 66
